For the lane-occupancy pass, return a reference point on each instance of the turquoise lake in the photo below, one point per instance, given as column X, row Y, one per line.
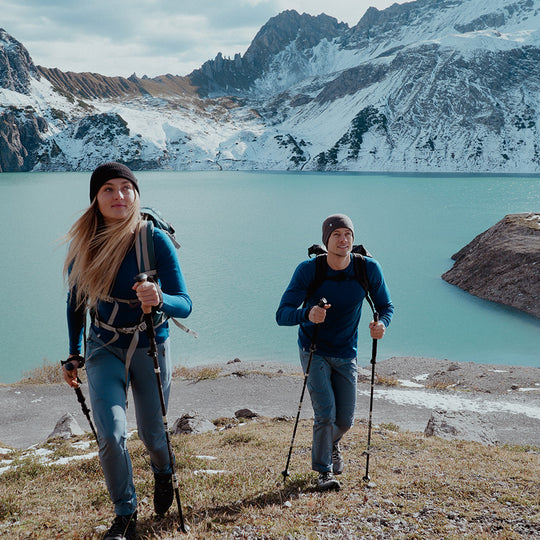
column 242, row 235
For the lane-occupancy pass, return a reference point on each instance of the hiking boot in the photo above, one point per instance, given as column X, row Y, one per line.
column 163, row 492
column 337, row 459
column 327, row 481
column 122, row 528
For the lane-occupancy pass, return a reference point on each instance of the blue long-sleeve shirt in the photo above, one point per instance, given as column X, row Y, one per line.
column 176, row 301
column 338, row 335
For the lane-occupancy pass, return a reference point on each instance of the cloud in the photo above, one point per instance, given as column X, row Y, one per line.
column 152, row 37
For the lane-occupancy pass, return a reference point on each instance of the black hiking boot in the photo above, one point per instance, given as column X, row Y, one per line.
column 122, row 528
column 337, row 459
column 163, row 492
column 327, row 481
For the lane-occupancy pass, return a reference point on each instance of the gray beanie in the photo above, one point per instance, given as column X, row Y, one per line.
column 334, row 222
column 108, row 171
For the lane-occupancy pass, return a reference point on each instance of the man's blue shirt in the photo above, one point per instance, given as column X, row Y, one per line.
column 338, row 335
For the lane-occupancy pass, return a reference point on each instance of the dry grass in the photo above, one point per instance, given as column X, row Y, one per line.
column 440, row 385
column 421, row 488
column 196, row 373
column 47, row 373
column 386, row 381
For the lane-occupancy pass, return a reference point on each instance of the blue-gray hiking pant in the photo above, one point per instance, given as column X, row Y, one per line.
column 332, row 388
column 105, row 368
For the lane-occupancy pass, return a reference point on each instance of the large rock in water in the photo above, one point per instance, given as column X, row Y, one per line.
column 502, row 264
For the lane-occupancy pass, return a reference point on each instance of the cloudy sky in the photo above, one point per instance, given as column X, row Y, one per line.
column 151, row 37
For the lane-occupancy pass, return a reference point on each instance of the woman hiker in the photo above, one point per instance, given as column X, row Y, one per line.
column 100, row 267
column 333, row 371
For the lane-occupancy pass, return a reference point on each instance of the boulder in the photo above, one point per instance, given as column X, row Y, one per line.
column 502, row 264
column 66, row 428
column 192, row 422
column 463, row 425
column 245, row 413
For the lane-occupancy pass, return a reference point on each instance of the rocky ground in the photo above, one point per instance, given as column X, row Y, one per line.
column 408, row 390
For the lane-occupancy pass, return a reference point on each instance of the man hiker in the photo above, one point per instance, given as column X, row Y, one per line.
column 333, row 370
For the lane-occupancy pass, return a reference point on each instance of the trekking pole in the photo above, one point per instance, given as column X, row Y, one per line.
column 152, row 352
column 366, row 477
column 80, row 398
column 312, row 348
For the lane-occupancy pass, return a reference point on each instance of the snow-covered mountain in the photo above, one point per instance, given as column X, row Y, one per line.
column 430, row 85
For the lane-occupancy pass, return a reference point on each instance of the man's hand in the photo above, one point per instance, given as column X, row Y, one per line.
column 317, row 314
column 377, row 329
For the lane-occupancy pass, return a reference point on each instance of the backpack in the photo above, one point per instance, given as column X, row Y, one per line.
column 321, row 266
column 144, row 244
column 145, row 253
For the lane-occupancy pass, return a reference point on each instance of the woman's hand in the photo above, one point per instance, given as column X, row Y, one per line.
column 71, row 376
column 147, row 293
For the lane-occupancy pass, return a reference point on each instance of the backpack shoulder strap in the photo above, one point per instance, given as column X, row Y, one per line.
column 360, row 272
column 321, row 267
column 144, row 249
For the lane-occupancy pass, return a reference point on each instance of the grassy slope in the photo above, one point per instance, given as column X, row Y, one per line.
column 420, row 488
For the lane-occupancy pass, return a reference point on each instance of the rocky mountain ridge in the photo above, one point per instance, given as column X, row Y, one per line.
column 424, row 86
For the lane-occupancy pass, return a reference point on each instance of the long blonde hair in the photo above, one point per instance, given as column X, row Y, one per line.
column 96, row 251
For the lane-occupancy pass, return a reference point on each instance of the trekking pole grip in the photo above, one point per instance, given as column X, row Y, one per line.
column 141, row 278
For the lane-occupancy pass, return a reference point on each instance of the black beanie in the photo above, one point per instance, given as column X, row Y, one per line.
column 336, row 221
column 108, row 171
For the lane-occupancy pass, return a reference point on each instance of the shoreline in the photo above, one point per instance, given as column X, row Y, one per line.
column 410, row 388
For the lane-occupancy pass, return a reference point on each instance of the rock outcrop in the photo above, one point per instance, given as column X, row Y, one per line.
column 502, row 264
column 462, row 425
column 21, row 134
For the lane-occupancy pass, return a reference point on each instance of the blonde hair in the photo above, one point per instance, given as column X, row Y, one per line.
column 96, row 251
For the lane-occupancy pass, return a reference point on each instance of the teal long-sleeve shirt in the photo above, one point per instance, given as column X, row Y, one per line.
column 176, row 301
column 338, row 335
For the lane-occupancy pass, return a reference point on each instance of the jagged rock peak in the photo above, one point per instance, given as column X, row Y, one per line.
column 306, row 31
column 16, row 66
column 290, row 26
